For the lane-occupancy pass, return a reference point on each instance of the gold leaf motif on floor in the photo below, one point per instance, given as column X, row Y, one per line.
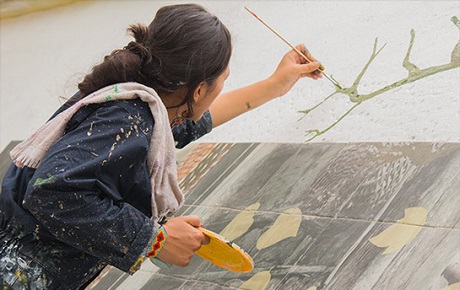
column 455, row 286
column 403, row 232
column 241, row 223
column 257, row 282
column 286, row 225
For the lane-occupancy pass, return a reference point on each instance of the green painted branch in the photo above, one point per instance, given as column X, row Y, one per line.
column 307, row 111
column 412, row 68
column 412, row 78
column 318, row 133
column 414, row 74
column 371, row 59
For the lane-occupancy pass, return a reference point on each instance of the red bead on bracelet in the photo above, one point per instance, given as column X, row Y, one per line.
column 158, row 244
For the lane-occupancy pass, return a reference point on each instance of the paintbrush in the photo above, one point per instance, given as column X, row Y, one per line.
column 321, row 68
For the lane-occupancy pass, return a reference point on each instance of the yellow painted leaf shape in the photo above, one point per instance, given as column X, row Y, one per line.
column 455, row 286
column 257, row 282
column 241, row 223
column 286, row 225
column 403, row 232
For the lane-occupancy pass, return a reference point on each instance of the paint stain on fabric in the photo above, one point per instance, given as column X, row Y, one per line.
column 241, row 223
column 286, row 225
column 403, row 232
column 41, row 181
column 90, row 131
column 126, row 134
column 257, row 282
column 117, row 139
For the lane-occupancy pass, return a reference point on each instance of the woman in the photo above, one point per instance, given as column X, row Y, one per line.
column 97, row 184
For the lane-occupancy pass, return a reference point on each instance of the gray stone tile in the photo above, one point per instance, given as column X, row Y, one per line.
column 335, row 253
column 421, row 264
column 418, row 175
column 347, row 193
column 216, row 174
column 369, row 181
column 166, row 283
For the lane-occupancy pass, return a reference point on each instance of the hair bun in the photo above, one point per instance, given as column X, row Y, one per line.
column 141, row 51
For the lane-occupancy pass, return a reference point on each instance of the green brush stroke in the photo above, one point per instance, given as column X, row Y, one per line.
column 41, row 181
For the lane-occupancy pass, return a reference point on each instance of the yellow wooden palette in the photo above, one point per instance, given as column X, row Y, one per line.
column 224, row 253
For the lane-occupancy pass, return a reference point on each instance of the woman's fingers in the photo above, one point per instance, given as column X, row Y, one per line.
column 183, row 239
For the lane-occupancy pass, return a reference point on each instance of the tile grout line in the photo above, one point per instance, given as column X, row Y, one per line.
column 193, row 280
column 360, row 239
column 331, row 217
column 368, row 229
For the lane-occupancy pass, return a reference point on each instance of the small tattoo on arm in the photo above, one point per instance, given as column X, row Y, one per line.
column 248, row 105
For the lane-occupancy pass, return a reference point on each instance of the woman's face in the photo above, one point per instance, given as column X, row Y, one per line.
column 209, row 94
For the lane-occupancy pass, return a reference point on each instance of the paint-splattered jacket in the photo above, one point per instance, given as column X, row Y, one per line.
column 88, row 203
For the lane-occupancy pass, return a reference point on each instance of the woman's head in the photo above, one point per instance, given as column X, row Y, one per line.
column 183, row 47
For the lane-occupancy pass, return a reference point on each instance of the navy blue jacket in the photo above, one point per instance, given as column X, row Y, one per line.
column 88, row 203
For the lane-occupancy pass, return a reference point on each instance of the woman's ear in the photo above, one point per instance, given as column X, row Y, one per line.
column 200, row 92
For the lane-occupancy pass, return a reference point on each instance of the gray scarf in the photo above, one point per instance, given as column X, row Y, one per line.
column 166, row 194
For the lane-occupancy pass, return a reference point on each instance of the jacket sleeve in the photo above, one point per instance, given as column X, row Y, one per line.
column 189, row 131
column 78, row 192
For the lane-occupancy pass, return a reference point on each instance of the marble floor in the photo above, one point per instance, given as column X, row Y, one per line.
column 320, row 216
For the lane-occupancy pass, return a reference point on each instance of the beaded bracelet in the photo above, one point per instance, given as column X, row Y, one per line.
column 158, row 243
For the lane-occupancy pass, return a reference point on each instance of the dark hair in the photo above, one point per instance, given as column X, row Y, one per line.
column 182, row 47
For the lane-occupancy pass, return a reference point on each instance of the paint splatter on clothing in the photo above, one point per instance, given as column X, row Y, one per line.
column 88, row 203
